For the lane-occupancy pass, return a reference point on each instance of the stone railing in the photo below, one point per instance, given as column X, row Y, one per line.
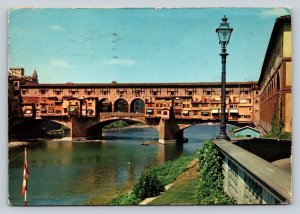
column 250, row 179
column 121, row 114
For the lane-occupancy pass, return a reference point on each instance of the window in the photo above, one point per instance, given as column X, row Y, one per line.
column 172, row 91
column 244, row 91
column 229, row 91
column 206, row 92
column 205, row 114
column 104, row 91
column 73, row 91
column 89, row 91
column 190, row 91
column 138, row 91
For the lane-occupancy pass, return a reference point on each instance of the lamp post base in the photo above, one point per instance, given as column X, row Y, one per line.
column 223, row 136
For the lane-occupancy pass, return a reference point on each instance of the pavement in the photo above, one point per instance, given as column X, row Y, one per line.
column 284, row 164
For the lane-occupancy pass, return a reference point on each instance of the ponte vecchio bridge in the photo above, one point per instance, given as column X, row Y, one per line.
column 168, row 107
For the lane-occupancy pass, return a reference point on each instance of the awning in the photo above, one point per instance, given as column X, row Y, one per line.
column 185, row 112
column 205, row 113
column 234, row 111
column 72, row 109
column 149, row 110
column 215, row 111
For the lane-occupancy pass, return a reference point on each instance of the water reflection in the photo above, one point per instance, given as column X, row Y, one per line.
column 169, row 152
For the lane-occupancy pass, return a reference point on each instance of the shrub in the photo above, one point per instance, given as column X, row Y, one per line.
column 127, row 199
column 170, row 170
column 210, row 188
column 148, row 185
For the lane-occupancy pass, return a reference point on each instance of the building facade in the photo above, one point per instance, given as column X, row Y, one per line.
column 275, row 81
column 17, row 78
column 188, row 100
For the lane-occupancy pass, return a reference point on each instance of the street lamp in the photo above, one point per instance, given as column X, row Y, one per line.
column 224, row 32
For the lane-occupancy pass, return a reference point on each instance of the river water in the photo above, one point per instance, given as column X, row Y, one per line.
column 77, row 173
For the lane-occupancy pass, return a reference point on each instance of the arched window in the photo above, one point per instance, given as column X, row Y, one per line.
column 137, row 106
column 121, row 105
column 105, row 105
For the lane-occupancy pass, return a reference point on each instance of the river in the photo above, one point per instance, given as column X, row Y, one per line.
column 78, row 173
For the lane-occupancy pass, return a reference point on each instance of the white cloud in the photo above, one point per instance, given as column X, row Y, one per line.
column 126, row 62
column 56, row 28
column 275, row 12
column 61, row 63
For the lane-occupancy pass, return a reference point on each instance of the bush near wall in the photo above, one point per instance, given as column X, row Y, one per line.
column 210, row 188
column 152, row 181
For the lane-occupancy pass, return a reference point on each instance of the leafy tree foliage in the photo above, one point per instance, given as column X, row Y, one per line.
column 210, row 188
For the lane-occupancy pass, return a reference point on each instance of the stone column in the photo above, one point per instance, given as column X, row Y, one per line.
column 82, row 127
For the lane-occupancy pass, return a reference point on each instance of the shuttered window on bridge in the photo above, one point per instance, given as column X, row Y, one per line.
column 172, row 91
column 209, row 91
column 89, row 91
column 229, row 91
column 121, row 91
column 190, row 91
column 43, row 90
column 104, row 91
column 138, row 91
column 155, row 91
column 73, row 90
column 57, row 91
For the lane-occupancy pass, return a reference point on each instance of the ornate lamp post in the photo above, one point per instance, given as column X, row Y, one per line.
column 224, row 32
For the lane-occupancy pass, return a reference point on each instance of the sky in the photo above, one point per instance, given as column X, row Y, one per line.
column 138, row 45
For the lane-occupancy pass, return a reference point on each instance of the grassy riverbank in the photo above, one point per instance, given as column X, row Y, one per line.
column 154, row 179
column 182, row 190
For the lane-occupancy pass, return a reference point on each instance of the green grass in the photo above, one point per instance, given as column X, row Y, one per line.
column 166, row 173
column 116, row 124
column 181, row 193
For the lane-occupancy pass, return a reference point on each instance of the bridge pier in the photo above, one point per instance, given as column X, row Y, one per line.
column 80, row 128
column 169, row 131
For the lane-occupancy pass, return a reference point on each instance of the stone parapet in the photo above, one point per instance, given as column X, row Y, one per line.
column 250, row 179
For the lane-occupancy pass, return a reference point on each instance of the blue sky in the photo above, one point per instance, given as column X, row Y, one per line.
column 138, row 45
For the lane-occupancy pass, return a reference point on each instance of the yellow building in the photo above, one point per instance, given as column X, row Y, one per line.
column 275, row 81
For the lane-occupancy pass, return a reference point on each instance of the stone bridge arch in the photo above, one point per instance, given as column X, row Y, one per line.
column 32, row 127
